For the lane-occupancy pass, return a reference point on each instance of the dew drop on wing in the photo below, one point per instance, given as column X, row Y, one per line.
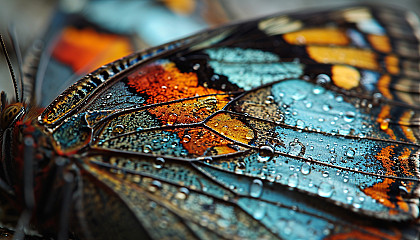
column 256, row 188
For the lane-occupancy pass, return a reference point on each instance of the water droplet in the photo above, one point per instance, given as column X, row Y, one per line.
column 345, row 129
column 241, row 165
column 325, row 174
column 384, row 124
column 259, row 211
column 339, row 98
column 358, row 202
column 403, row 190
column 159, row 162
column 287, row 230
column 186, row 138
column 154, row 186
column 118, row 129
column 318, row 90
column 147, row 148
column 350, row 153
column 256, row 188
column 346, row 179
column 296, row 148
column 305, row 169
column 265, row 153
column 376, row 98
column 182, row 193
column 323, row 79
column 196, row 66
column 308, row 105
column 223, row 223
column 269, row 100
column 215, row 78
column 326, row 107
column 326, row 231
column 300, row 124
column 293, row 180
column 172, row 119
column 299, row 95
column 325, row 189
column 349, row 116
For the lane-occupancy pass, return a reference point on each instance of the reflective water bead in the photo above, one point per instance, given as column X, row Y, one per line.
column 300, row 124
column 305, row 169
column 325, row 189
column 118, row 129
column 350, row 153
column 323, row 79
column 182, row 193
column 326, row 107
column 265, row 153
column 186, row 138
column 293, row 180
column 296, row 148
column 318, row 90
column 154, row 186
column 269, row 100
column 384, row 124
column 256, row 188
column 260, row 210
column 159, row 162
column 349, row 116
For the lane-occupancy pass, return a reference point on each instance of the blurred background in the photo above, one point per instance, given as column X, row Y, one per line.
column 153, row 21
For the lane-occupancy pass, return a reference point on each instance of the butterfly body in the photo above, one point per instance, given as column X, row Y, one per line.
column 290, row 126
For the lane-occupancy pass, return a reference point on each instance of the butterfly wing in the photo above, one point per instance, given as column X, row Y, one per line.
column 295, row 126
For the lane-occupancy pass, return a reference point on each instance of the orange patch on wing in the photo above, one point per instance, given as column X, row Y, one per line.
column 321, row 36
column 383, row 86
column 190, row 111
column 385, row 158
column 162, row 83
column 86, row 49
column 408, row 132
column 383, row 120
column 367, row 233
column 391, row 63
column 345, row 77
column 380, row 43
column 344, row 55
column 181, row 6
column 404, row 163
column 379, row 191
column 231, row 127
column 198, row 141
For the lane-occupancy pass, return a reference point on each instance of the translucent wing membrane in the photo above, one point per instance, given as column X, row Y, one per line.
column 300, row 126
